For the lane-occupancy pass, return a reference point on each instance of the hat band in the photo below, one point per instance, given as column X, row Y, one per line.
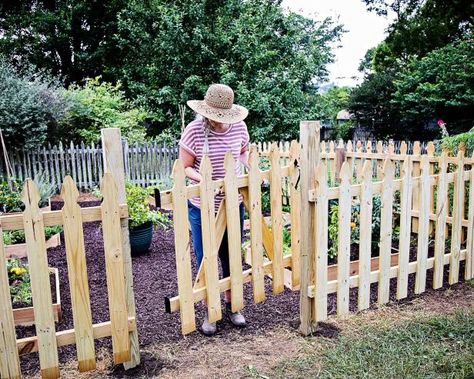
column 218, row 104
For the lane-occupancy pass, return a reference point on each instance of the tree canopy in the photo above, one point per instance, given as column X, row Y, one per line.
column 166, row 52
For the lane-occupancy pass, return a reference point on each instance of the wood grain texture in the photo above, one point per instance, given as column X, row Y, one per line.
column 440, row 231
column 458, row 213
column 295, row 213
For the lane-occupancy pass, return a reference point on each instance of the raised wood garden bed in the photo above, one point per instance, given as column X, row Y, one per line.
column 26, row 317
column 19, row 250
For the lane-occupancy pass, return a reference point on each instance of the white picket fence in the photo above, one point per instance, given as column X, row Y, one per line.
column 145, row 164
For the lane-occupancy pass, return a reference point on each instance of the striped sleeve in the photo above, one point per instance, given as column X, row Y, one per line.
column 187, row 140
column 245, row 138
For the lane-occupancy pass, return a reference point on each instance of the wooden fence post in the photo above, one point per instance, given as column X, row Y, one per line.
column 340, row 158
column 113, row 163
column 310, row 156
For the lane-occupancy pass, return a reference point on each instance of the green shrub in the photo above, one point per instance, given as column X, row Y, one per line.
column 452, row 143
column 10, row 200
column 30, row 104
column 13, row 237
column 100, row 105
column 19, row 280
column 139, row 211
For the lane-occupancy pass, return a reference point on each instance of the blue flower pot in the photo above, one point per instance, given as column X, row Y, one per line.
column 140, row 238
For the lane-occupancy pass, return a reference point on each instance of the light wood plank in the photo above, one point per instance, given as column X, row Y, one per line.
column 234, row 237
column 321, row 236
column 423, row 226
column 386, row 232
column 416, row 159
column 365, row 244
column 310, row 156
column 112, row 157
column 277, row 220
column 406, row 192
column 182, row 251
column 441, row 213
column 114, row 267
column 295, row 213
column 255, row 216
column 469, row 271
column 40, row 285
column 77, row 274
column 209, row 242
column 344, row 240
column 458, row 212
column 9, row 358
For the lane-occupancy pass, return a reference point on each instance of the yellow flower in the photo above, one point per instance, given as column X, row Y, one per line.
column 22, row 270
column 353, row 225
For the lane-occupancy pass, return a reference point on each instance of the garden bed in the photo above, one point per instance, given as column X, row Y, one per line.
column 19, row 250
column 25, row 316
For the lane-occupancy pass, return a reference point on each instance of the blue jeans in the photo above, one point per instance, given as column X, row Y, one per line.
column 196, row 234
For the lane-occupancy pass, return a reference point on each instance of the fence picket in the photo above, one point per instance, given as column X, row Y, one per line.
column 9, row 359
column 344, row 240
column 114, row 267
column 321, row 233
column 233, row 233
column 458, row 213
column 365, row 244
column 385, row 251
column 183, row 258
column 469, row 270
column 277, row 219
column 40, row 286
column 209, row 242
column 255, row 216
column 295, row 212
column 416, row 185
column 77, row 274
column 441, row 213
column 423, row 225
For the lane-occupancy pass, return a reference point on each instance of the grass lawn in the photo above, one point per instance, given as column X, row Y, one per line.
column 427, row 347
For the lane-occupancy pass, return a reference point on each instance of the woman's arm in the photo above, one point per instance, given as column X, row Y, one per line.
column 188, row 162
column 244, row 158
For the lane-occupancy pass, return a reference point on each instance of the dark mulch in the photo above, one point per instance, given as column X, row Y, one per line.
column 154, row 279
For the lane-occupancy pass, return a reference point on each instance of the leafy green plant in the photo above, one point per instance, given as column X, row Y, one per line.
column 45, row 188
column 10, row 200
column 13, row 237
column 19, row 280
column 139, row 211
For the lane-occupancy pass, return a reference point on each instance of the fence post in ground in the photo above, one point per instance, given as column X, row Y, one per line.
column 310, row 156
column 113, row 163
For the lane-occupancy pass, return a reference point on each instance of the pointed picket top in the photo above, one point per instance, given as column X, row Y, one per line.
column 345, row 173
column 331, row 146
column 294, row 151
column 323, row 146
column 368, row 148
column 416, row 148
column 388, row 170
column 367, row 171
column 274, row 153
column 229, row 164
column 340, row 144
column 359, row 146
column 349, row 147
column 462, row 146
column 178, row 172
column 430, row 149
column 391, row 148
column 321, row 174
column 379, row 147
column 254, row 157
column 69, row 192
column 403, row 148
column 406, row 168
column 30, row 195
column 206, row 166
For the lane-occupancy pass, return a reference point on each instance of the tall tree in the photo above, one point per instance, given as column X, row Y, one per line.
column 71, row 39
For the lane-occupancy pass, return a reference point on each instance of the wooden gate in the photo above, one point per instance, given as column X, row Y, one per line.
column 265, row 254
column 113, row 214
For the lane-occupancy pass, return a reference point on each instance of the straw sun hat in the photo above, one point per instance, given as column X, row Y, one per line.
column 218, row 105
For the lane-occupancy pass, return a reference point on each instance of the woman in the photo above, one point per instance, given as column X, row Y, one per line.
column 219, row 128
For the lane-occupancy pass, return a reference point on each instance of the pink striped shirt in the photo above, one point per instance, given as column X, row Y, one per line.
column 235, row 139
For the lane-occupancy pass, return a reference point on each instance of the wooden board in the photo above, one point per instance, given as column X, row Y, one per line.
column 295, row 213
column 423, row 227
column 19, row 250
column 114, row 267
column 77, row 274
column 40, row 286
column 9, row 358
column 458, row 212
column 440, row 231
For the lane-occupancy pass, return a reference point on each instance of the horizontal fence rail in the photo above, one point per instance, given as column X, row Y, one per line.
column 145, row 164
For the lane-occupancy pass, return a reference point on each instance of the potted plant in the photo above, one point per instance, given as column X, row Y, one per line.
column 141, row 219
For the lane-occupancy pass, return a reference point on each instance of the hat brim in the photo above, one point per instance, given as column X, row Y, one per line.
column 227, row 116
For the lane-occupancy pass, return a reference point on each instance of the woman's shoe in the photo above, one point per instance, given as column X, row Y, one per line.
column 235, row 318
column 208, row 328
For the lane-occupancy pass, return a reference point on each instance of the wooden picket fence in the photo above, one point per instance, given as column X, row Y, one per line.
column 113, row 214
column 266, row 243
column 319, row 175
column 145, row 164
column 422, row 183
